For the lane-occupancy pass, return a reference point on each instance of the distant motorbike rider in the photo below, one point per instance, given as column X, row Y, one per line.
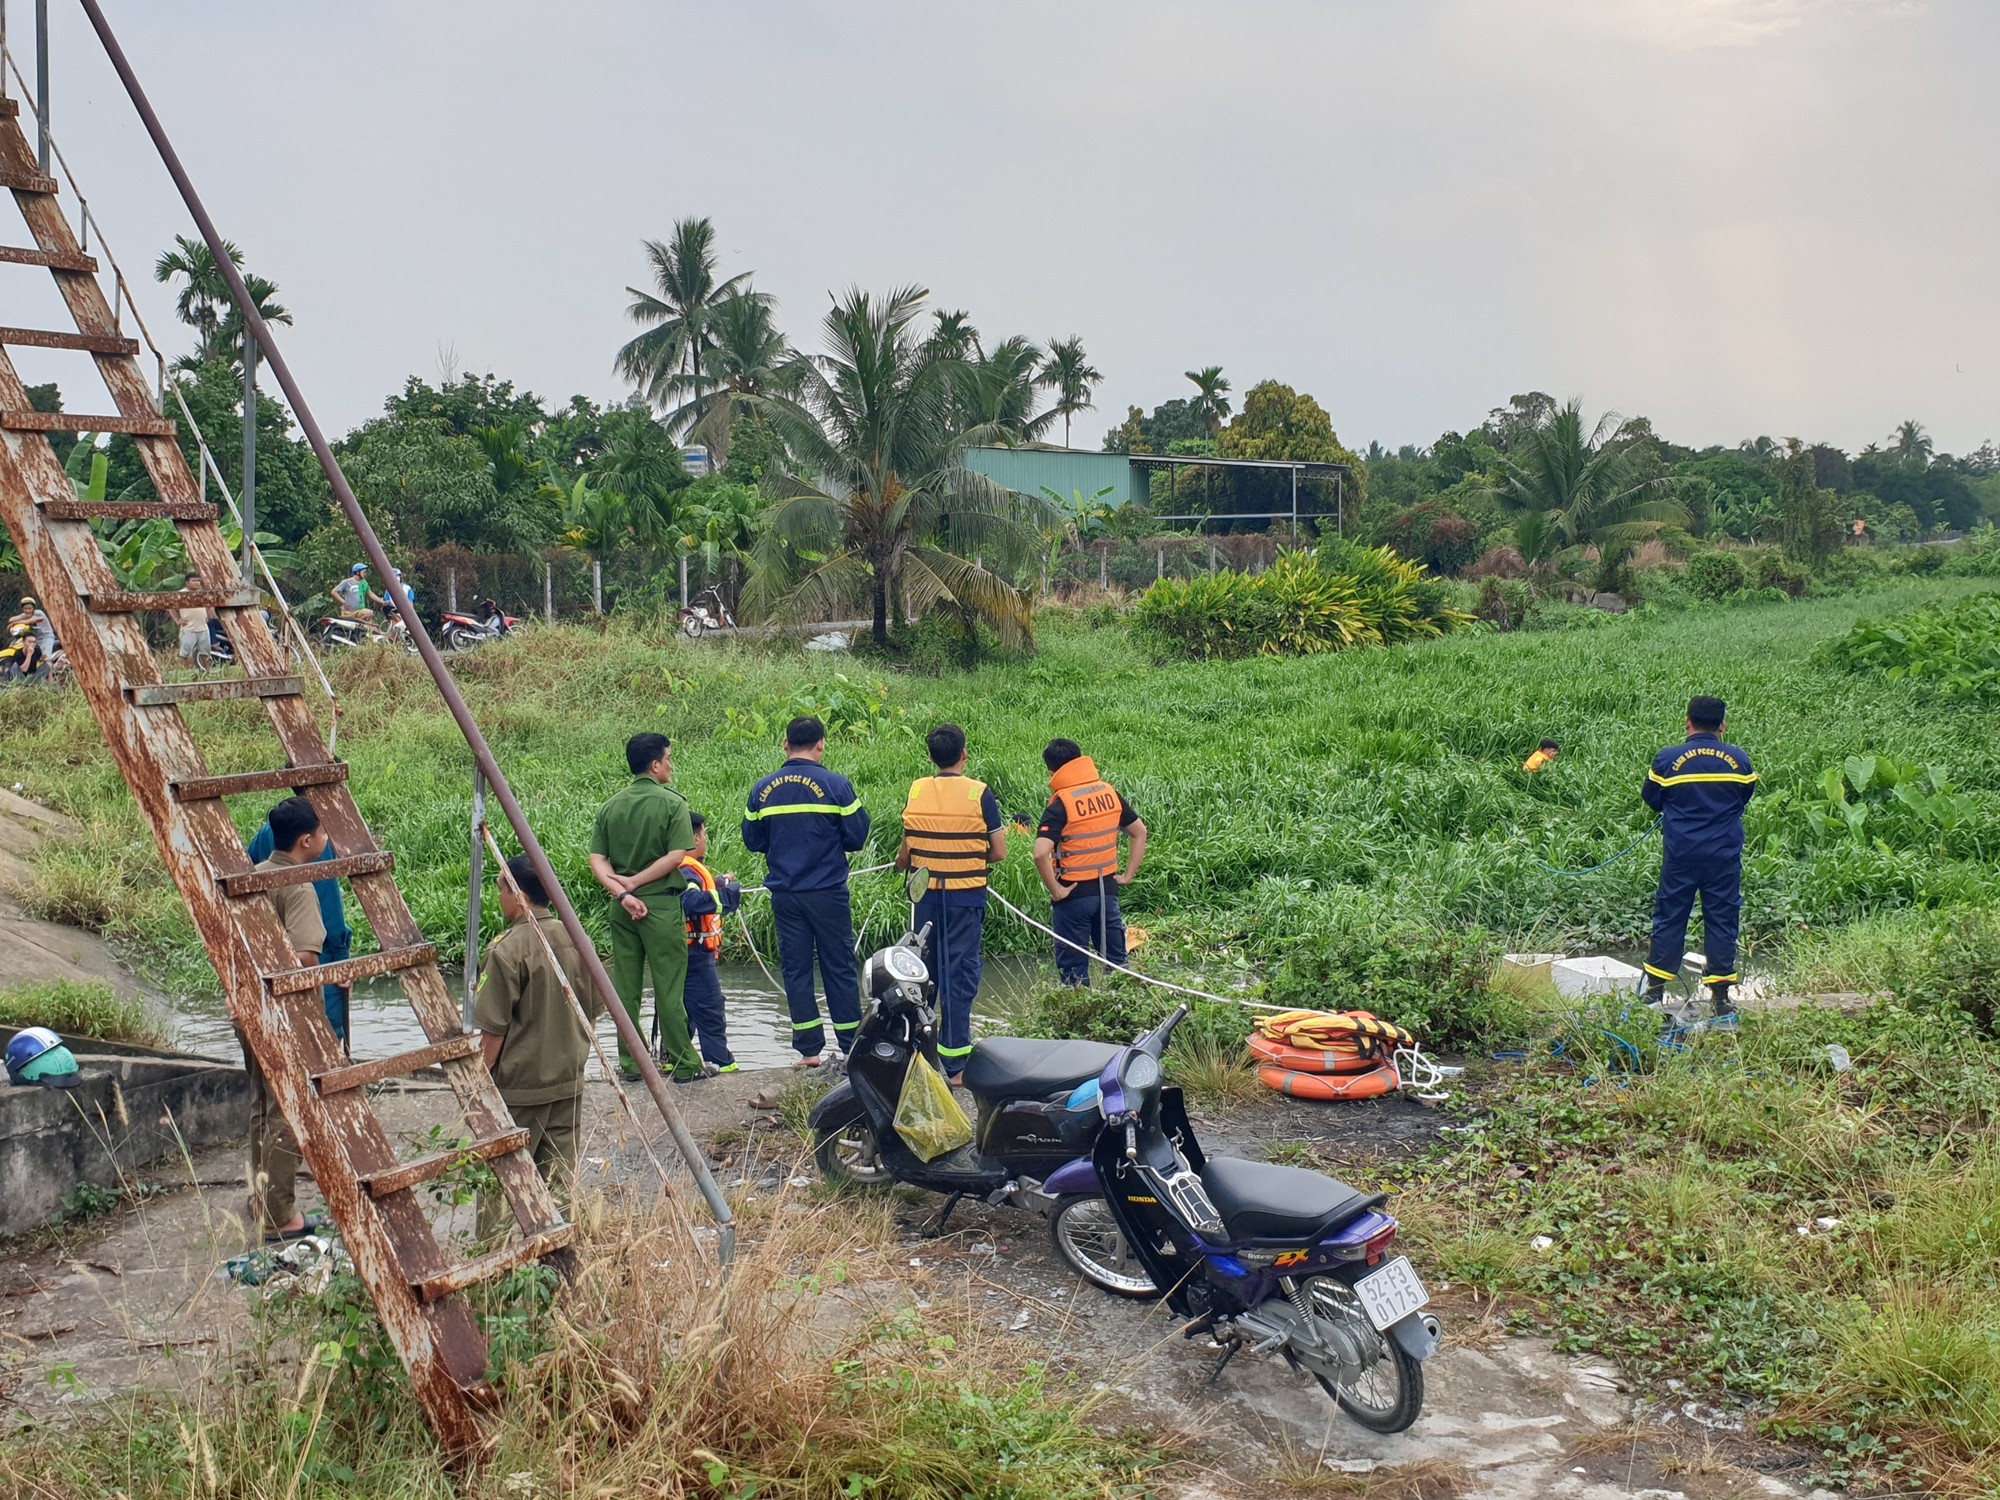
column 41, row 642
column 1700, row 788
column 354, row 596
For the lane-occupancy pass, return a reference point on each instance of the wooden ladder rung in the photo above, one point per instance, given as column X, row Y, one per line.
column 55, row 260
column 254, row 882
column 50, row 338
column 198, row 596
column 64, row 421
column 221, row 689
column 406, row 1175
column 347, row 970
column 127, row 510
column 402, row 1065
column 26, row 182
column 489, row 1267
column 290, row 779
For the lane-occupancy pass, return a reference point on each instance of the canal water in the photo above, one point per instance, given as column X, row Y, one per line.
column 760, row 1028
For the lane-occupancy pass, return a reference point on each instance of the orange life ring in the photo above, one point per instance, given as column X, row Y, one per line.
column 1373, row 1084
column 1312, row 1059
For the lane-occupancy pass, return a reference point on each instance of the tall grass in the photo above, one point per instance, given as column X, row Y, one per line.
column 80, row 1009
column 822, row 1365
column 1281, row 792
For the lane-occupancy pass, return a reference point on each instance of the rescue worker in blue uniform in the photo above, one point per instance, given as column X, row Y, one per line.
column 1699, row 788
column 805, row 820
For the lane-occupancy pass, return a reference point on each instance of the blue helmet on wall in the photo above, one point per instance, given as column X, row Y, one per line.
column 37, row 1055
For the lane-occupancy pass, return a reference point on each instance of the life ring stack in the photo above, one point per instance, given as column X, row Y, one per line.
column 1328, row 1055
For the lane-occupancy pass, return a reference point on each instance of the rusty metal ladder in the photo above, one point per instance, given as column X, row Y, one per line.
column 418, row 1284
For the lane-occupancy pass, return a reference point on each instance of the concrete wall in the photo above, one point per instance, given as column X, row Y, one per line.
column 128, row 1112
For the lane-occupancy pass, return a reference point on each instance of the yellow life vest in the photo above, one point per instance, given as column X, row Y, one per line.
column 1088, row 846
column 947, row 831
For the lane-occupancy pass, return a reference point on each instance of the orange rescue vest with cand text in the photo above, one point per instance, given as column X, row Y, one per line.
column 947, row 831
column 1088, row 846
column 706, row 929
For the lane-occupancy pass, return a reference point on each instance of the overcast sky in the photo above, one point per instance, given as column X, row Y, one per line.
column 1733, row 216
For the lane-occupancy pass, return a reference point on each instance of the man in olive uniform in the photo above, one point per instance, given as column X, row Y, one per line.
column 296, row 839
column 642, row 835
column 534, row 1043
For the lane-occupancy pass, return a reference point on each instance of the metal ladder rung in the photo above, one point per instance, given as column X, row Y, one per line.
column 488, row 1267
column 55, row 260
column 200, row 596
column 290, row 779
column 347, row 970
column 360, row 1075
column 406, row 1175
column 65, row 421
column 127, row 510
column 161, row 694
column 49, row 338
column 26, row 182
column 256, row 882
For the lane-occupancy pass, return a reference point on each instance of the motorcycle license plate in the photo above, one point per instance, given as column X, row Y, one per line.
column 1391, row 1294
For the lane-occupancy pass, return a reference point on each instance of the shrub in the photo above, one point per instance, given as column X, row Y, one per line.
column 1498, row 562
column 1713, row 576
column 1435, row 982
column 1304, row 604
column 1119, row 1012
column 1772, row 570
column 89, row 1009
column 1958, row 969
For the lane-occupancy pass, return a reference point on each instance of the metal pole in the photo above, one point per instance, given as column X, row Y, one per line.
column 1295, row 503
column 548, row 591
column 684, row 581
column 247, row 491
column 42, row 83
column 378, row 558
column 1340, row 505
column 475, row 909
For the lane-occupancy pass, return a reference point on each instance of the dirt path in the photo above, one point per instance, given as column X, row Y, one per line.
column 136, row 1300
column 36, row 952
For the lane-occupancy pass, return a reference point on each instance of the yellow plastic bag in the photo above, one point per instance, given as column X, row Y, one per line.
column 927, row 1117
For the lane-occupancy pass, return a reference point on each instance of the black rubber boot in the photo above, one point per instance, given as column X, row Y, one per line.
column 1719, row 997
column 1656, row 990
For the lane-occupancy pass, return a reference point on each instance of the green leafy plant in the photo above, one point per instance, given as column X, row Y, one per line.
column 1878, row 799
column 1954, row 648
column 89, row 1009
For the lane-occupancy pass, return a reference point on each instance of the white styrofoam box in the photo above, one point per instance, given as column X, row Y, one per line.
column 1534, row 965
column 1577, row 977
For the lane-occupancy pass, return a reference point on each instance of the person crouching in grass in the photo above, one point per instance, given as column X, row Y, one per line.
column 707, row 900
column 533, row 1040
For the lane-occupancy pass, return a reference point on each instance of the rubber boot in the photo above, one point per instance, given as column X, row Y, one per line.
column 1656, row 990
column 1719, row 997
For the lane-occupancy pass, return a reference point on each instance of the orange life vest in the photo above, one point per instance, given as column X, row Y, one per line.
column 947, row 831
column 1088, row 846
column 706, row 929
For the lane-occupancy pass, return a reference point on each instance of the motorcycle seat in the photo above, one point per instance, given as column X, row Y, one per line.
column 1260, row 1201
column 1020, row 1067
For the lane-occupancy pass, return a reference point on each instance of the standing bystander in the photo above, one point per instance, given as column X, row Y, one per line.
column 805, row 820
column 1076, row 854
column 707, row 900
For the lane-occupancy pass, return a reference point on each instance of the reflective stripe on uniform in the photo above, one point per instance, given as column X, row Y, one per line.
column 954, row 1052
column 776, row 808
column 1720, row 978
column 1656, row 973
column 1745, row 779
column 812, row 1025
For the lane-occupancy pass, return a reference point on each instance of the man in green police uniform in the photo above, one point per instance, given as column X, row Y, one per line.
column 642, row 835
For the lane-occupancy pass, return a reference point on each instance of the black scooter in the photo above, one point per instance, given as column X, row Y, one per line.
column 1031, row 1121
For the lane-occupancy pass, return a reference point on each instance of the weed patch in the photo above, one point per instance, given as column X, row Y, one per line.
column 86, row 1009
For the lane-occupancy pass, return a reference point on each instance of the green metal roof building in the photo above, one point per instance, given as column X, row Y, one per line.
column 1064, row 470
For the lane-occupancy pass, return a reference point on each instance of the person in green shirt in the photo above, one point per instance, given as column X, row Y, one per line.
column 534, row 1043
column 642, row 835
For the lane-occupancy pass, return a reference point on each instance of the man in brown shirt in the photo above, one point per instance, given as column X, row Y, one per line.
column 534, row 1042
column 296, row 839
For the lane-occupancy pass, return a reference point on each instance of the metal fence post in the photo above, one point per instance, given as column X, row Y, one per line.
column 42, row 83
column 548, row 591
column 246, row 492
column 474, row 909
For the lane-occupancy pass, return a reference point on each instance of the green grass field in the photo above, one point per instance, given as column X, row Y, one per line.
column 1371, row 790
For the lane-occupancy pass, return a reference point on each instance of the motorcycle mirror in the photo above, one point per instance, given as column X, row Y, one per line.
column 918, row 884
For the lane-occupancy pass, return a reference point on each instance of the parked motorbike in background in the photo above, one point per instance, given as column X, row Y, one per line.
column 706, row 613
column 1025, row 1129
column 1263, row 1258
column 51, row 669
column 347, row 632
column 220, row 651
column 458, row 632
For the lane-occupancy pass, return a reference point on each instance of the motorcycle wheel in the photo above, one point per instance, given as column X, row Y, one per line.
column 850, row 1156
column 1092, row 1245
column 691, row 626
column 1389, row 1395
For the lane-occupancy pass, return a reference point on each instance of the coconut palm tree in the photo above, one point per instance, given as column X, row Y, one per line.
column 873, row 499
column 997, row 394
column 1584, row 489
column 263, row 297
column 1212, row 402
column 1913, row 444
column 953, row 335
column 749, row 357
column 678, row 314
column 1072, row 377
